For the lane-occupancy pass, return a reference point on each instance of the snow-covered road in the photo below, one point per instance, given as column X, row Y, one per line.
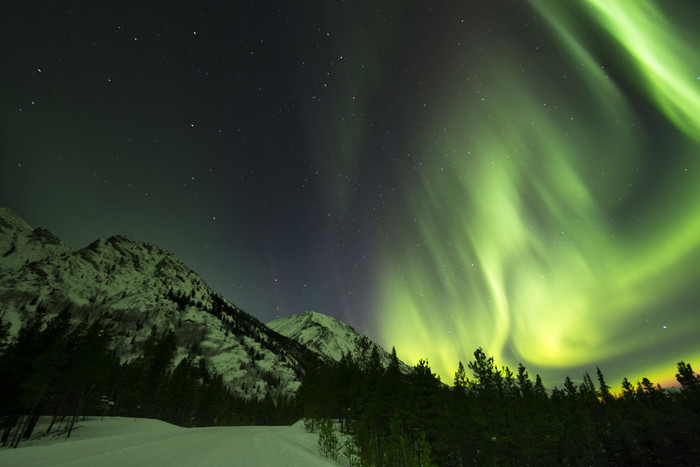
column 126, row 441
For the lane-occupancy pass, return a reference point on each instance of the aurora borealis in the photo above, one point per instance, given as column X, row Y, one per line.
column 549, row 231
column 521, row 176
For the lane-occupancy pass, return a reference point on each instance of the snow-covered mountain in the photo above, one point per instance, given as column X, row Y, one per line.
column 136, row 286
column 328, row 336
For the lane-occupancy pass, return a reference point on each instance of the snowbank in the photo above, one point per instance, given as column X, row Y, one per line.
column 118, row 441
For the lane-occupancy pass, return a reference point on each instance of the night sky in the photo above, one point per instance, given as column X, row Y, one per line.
column 520, row 176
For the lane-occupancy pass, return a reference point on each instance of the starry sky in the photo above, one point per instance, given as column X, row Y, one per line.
column 519, row 176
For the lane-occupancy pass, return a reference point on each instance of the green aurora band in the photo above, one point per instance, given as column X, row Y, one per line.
column 545, row 229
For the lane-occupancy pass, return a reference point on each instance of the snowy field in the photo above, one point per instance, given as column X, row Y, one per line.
column 118, row 441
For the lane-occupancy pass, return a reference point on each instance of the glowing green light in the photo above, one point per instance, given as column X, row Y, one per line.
column 666, row 58
column 521, row 245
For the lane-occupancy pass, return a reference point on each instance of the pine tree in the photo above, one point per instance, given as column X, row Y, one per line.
column 350, row 451
column 539, row 390
column 586, row 390
column 425, row 452
column 627, row 389
column 487, row 377
column 328, row 443
column 524, row 382
column 152, row 370
column 645, row 388
column 509, row 389
column 461, row 382
column 604, row 392
column 93, row 365
column 687, row 378
column 47, row 367
column 393, row 369
column 569, row 388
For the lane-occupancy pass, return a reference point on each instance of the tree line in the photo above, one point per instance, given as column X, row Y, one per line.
column 489, row 416
column 494, row 416
column 67, row 371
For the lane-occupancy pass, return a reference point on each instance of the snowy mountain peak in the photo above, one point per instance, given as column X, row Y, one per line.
column 20, row 244
column 11, row 222
column 310, row 319
column 328, row 336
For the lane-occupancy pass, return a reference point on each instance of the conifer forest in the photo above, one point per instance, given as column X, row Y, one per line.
column 486, row 416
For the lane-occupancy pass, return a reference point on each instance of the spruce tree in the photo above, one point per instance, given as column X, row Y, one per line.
column 461, row 382
column 393, row 369
column 524, row 382
column 540, row 391
column 604, row 392
column 569, row 388
column 627, row 389
column 487, row 377
column 328, row 443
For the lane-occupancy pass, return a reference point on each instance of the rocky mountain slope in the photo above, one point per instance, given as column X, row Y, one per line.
column 328, row 336
column 136, row 286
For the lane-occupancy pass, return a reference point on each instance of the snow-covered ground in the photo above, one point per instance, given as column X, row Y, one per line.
column 118, row 441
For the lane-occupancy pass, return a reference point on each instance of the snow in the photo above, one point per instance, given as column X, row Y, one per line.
column 327, row 336
column 119, row 441
column 138, row 285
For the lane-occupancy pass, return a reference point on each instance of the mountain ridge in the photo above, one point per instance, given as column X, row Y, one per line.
column 138, row 287
column 329, row 336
